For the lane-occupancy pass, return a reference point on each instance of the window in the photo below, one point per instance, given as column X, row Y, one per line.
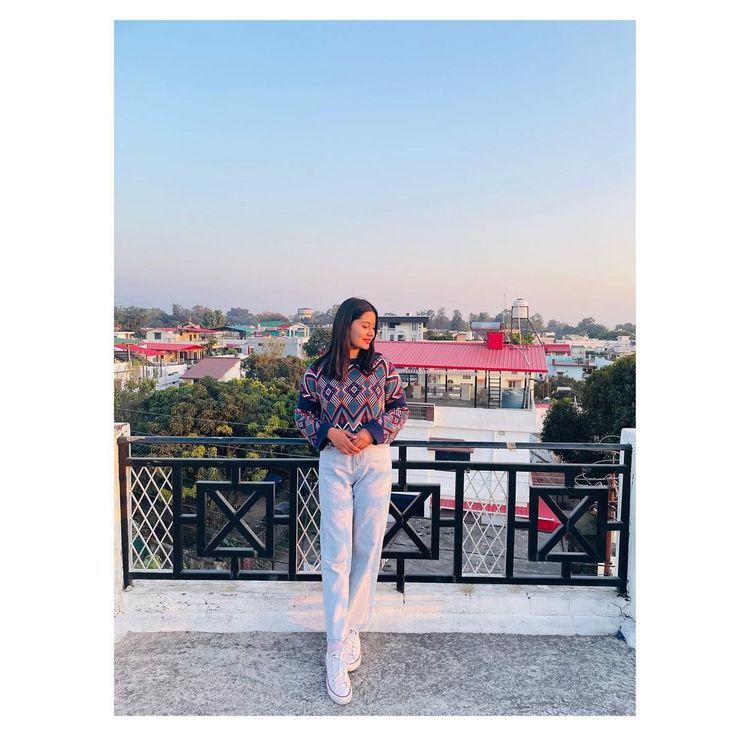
column 156, row 335
column 451, row 453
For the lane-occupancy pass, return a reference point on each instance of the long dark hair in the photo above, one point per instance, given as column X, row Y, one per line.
column 335, row 361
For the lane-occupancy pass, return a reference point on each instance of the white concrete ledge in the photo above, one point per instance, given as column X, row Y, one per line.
column 237, row 606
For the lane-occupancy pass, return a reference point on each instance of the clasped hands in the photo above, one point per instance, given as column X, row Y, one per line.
column 350, row 443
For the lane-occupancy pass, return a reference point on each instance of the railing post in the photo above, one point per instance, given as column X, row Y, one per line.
column 457, row 567
column 627, row 537
column 122, row 433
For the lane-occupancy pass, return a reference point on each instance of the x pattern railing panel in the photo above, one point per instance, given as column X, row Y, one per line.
column 483, row 522
column 151, row 519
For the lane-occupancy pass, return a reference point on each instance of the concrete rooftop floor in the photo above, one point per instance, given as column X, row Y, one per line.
column 444, row 674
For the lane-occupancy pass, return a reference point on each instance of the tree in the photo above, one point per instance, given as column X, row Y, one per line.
column 609, row 398
column 503, row 317
column 626, row 329
column 265, row 368
column 262, row 317
column 319, row 341
column 591, row 328
column 180, row 314
column 550, row 384
column 480, row 317
column 458, row 323
column 559, row 328
column 441, row 321
column 537, row 321
column 564, row 422
column 239, row 316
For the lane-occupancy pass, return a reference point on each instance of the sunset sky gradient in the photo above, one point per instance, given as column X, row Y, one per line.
column 278, row 165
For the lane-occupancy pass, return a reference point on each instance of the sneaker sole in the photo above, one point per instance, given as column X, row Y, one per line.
column 340, row 700
column 354, row 666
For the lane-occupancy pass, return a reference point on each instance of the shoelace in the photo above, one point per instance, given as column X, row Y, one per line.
column 351, row 644
column 338, row 669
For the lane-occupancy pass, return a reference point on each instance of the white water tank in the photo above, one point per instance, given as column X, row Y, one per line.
column 520, row 309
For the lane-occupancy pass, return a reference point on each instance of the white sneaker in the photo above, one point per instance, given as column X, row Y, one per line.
column 353, row 654
column 338, row 681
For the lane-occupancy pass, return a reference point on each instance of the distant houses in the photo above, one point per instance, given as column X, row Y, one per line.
column 220, row 368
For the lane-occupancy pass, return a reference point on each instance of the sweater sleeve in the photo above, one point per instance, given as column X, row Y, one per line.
column 306, row 414
column 388, row 425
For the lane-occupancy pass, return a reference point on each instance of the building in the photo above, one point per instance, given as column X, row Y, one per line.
column 470, row 391
column 221, row 368
column 406, row 328
column 163, row 352
column 186, row 333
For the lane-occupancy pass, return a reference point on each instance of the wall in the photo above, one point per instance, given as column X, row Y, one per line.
column 480, row 425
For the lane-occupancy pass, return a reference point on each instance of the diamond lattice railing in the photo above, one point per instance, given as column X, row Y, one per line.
column 151, row 540
column 307, row 521
column 484, row 523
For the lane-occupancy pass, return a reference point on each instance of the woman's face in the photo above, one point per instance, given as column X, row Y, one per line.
column 362, row 331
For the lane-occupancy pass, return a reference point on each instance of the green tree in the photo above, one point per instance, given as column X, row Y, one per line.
column 239, row 316
column 565, row 422
column 458, row 323
column 559, row 328
column 441, row 320
column 609, row 398
column 537, row 320
column 550, row 384
column 434, row 335
column 266, row 368
column 319, row 341
column 271, row 317
column 591, row 328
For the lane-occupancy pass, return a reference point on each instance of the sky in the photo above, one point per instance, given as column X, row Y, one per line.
column 418, row 164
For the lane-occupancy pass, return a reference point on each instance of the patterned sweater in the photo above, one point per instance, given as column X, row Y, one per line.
column 374, row 401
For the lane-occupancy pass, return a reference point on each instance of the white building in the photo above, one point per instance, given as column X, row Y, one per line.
column 469, row 391
column 402, row 328
column 280, row 346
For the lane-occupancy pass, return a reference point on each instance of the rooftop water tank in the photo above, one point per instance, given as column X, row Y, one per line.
column 520, row 309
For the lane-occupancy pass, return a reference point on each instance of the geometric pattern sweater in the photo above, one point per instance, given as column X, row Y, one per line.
column 374, row 401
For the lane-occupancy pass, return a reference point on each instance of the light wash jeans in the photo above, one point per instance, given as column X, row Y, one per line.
column 354, row 495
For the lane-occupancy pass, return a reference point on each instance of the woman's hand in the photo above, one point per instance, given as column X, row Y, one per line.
column 343, row 440
column 362, row 439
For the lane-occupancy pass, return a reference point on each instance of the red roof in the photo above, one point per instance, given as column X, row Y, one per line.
column 463, row 356
column 134, row 348
column 169, row 346
column 556, row 347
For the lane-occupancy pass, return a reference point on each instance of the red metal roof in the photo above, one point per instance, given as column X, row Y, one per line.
column 169, row 346
column 463, row 356
column 134, row 348
column 556, row 347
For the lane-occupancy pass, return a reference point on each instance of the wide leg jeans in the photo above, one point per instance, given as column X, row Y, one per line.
column 354, row 495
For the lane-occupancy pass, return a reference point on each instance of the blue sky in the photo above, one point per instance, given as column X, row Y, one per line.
column 276, row 165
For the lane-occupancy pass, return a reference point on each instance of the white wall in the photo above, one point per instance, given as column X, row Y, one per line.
column 479, row 425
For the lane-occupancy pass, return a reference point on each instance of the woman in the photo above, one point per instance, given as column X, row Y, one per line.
column 351, row 406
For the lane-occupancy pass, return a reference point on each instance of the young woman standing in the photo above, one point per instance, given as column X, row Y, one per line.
column 351, row 406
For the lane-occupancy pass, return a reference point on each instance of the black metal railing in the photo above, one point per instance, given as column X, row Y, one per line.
column 181, row 513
